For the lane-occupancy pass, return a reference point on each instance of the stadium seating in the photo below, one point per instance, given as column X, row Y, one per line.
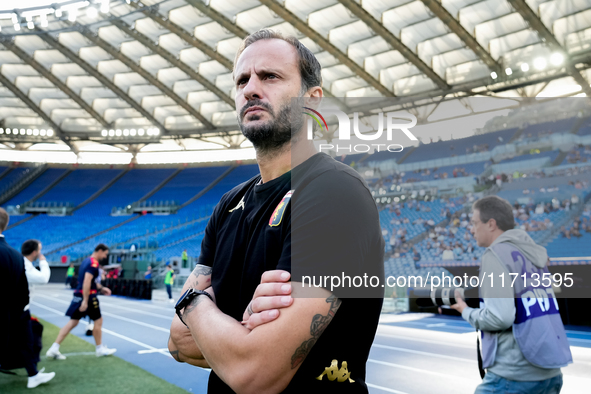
column 146, row 231
column 585, row 129
column 129, row 188
column 563, row 192
column 237, row 176
column 537, row 130
column 405, row 266
column 431, row 210
column 187, row 184
column 458, row 147
column 552, row 155
column 171, row 233
column 193, row 246
column 575, row 246
column 44, row 180
column 471, row 169
column 79, row 185
column 578, row 155
column 56, row 232
column 12, row 177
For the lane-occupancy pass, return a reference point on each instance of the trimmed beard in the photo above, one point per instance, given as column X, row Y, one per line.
column 273, row 135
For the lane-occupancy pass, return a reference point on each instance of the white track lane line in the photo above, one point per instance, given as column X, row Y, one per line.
column 574, row 341
column 398, row 349
column 447, row 326
column 139, row 323
column 169, row 318
column 151, row 351
column 144, row 303
column 156, row 350
column 373, row 386
column 136, row 304
column 406, row 338
column 423, row 371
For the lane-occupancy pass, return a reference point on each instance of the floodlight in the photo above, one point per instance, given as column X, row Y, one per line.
column 540, row 63
column 556, row 59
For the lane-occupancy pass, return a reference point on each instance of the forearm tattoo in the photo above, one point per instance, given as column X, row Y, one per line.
column 198, row 271
column 319, row 324
column 174, row 353
column 194, row 302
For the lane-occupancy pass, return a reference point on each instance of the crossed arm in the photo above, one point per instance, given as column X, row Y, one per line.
column 260, row 360
column 180, row 343
column 265, row 359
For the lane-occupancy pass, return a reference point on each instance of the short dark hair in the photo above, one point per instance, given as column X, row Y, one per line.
column 29, row 246
column 497, row 208
column 4, row 219
column 310, row 68
column 101, row 247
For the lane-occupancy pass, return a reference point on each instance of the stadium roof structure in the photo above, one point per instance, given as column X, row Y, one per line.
column 125, row 76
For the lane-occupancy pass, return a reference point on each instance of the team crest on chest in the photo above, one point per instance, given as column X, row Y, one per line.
column 277, row 215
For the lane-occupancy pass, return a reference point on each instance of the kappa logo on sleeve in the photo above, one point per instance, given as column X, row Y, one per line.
column 277, row 215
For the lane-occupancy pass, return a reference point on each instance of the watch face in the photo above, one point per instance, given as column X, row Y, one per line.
column 180, row 303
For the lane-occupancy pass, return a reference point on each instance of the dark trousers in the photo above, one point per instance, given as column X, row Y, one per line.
column 169, row 291
column 31, row 358
column 20, row 346
column 68, row 280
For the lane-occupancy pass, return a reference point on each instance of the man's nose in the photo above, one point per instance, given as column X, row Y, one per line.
column 253, row 89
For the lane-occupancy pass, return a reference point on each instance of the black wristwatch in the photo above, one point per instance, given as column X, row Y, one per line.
column 186, row 300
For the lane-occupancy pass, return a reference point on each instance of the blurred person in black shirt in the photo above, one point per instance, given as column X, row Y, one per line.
column 17, row 340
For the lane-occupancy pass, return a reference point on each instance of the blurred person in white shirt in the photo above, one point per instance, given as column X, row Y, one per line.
column 31, row 251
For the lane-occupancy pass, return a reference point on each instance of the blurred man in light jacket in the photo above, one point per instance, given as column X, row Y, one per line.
column 31, row 250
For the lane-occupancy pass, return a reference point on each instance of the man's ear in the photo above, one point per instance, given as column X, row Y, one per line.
column 493, row 224
column 315, row 94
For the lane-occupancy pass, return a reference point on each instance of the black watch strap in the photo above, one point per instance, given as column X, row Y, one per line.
column 186, row 299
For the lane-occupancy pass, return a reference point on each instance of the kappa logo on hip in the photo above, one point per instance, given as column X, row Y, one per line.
column 334, row 373
column 240, row 205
